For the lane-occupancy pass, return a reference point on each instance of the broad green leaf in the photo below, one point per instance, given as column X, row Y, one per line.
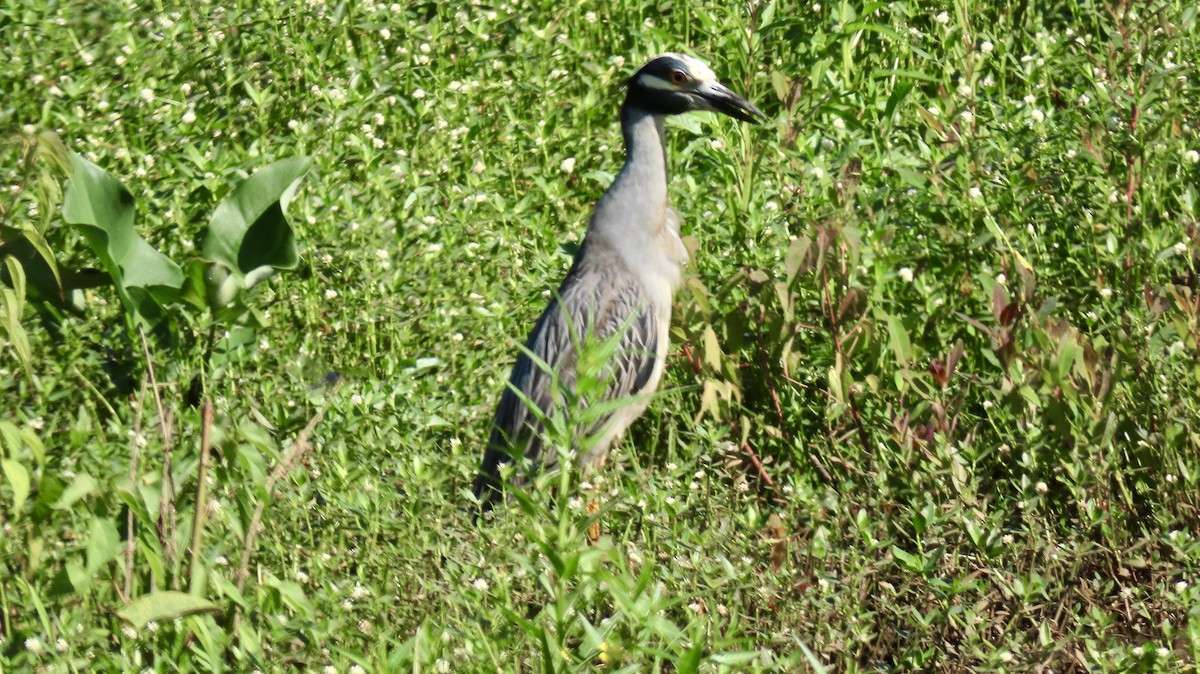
column 10, row 436
column 249, row 234
column 162, row 606
column 103, row 541
column 12, row 308
column 18, row 480
column 102, row 209
column 81, row 486
column 898, row 338
column 292, row 595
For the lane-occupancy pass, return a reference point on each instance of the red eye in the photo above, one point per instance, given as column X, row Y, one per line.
column 678, row 77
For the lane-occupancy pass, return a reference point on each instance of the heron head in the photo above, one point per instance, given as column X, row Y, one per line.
column 670, row 84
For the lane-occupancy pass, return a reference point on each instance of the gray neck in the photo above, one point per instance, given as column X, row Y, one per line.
column 635, row 205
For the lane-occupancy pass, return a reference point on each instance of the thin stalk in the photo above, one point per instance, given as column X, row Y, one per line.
column 201, row 514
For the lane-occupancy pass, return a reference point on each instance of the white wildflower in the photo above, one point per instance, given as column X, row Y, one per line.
column 905, row 274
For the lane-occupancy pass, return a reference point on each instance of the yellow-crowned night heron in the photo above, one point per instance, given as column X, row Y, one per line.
column 622, row 279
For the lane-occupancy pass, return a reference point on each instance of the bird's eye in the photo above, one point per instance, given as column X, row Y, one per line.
column 678, row 77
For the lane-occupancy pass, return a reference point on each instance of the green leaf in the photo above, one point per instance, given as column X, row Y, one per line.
column 292, row 595
column 10, row 436
column 102, row 209
column 12, row 308
column 249, row 234
column 102, row 545
column 81, row 486
column 18, row 480
column 898, row 338
column 909, row 561
column 162, row 606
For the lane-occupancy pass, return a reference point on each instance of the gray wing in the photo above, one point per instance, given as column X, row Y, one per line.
column 599, row 292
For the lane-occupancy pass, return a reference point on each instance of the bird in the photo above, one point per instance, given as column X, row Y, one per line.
column 620, row 284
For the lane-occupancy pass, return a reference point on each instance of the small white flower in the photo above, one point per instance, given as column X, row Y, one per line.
column 1071, row 153
column 839, row 123
column 942, row 18
column 293, row 124
column 967, row 116
column 1181, row 248
column 1181, row 586
column 965, row 90
column 1042, row 487
column 1162, row 651
column 1192, row 155
column 147, row 95
column 425, row 48
column 385, row 33
column 1037, row 116
column 590, row 17
column 329, row 669
column 359, row 591
column 1084, row 99
column 975, row 193
column 34, row 645
column 986, row 47
column 568, row 165
column 61, row 645
column 1138, row 651
column 935, row 111
column 1106, row 292
column 480, row 584
column 356, row 669
column 331, row 294
column 189, row 116
column 418, row 94
column 1030, row 99
column 905, row 274
column 301, row 577
column 1006, row 656
column 818, row 172
column 29, row 129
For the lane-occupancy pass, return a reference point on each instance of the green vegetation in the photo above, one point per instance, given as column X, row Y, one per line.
column 933, row 402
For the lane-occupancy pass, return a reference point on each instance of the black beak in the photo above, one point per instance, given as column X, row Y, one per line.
column 717, row 97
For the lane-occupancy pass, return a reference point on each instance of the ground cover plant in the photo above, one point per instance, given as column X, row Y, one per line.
column 932, row 404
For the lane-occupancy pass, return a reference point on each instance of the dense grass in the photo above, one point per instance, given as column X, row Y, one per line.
column 946, row 297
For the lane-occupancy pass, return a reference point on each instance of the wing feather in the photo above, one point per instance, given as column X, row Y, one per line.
column 598, row 291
